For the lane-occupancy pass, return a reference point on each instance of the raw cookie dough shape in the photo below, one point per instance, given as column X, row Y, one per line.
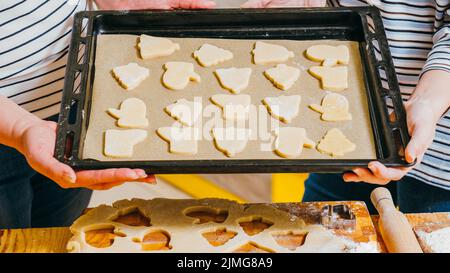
column 328, row 55
column 282, row 76
column 102, row 236
column 290, row 141
column 334, row 107
column 205, row 214
column 265, row 53
column 209, row 55
column 131, row 114
column 230, row 140
column 134, row 217
column 254, row 225
column 290, row 239
column 156, row 240
column 283, row 108
column 182, row 140
column 252, row 247
column 234, row 107
column 234, row 79
column 332, row 78
column 186, row 112
column 178, row 75
column 153, row 47
column 219, row 236
column 335, row 143
column 120, row 143
column 131, row 75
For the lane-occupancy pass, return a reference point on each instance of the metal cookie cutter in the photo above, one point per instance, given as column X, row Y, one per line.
column 338, row 217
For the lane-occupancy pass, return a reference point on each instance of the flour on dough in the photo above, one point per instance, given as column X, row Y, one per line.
column 182, row 140
column 282, row 76
column 335, row 143
column 153, row 47
column 131, row 75
column 234, row 107
column 209, row 55
column 120, row 143
column 265, row 53
column 290, row 141
column 185, row 111
column 284, row 108
column 178, row 75
column 332, row 78
column 328, row 55
column 131, row 114
column 230, row 140
column 234, row 79
column 334, row 107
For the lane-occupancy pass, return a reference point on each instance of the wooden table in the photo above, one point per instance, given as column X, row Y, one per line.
column 53, row 240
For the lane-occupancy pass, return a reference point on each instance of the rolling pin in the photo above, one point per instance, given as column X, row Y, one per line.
column 395, row 229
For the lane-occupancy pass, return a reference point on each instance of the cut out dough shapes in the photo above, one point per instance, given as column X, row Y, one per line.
column 120, row 143
column 328, row 55
column 290, row 141
column 335, row 143
column 265, row 53
column 209, row 55
column 230, row 140
column 234, row 79
column 131, row 75
column 284, row 108
column 186, row 112
column 132, row 114
column 182, row 140
column 282, row 76
column 332, row 78
column 334, row 108
column 234, row 107
column 178, row 75
column 153, row 47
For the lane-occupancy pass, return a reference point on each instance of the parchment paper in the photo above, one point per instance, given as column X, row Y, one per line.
column 115, row 50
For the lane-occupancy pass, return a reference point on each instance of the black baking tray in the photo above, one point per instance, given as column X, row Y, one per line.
column 362, row 24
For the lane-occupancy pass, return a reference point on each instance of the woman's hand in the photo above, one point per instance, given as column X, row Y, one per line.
column 283, row 3
column 423, row 110
column 37, row 143
column 154, row 4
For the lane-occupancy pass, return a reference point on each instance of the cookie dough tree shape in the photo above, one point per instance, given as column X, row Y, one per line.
column 335, row 143
column 230, row 140
column 131, row 114
column 234, row 79
column 290, row 141
column 120, row 143
column 186, row 112
column 153, row 47
column 234, row 107
column 182, row 140
column 131, row 75
column 282, row 76
column 284, row 108
column 178, row 75
column 265, row 53
column 328, row 55
column 334, row 107
column 209, row 55
column 332, row 78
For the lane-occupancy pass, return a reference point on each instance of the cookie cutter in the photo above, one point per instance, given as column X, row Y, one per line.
column 338, row 217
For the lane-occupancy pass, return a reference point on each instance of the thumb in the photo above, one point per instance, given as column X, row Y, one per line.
column 421, row 138
column 255, row 4
column 195, row 4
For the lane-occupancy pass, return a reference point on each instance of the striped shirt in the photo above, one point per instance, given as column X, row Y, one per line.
column 34, row 42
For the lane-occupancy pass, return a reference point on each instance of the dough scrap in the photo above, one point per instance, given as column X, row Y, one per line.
column 332, row 78
column 186, row 112
column 230, row 140
column 234, row 79
column 328, row 55
column 120, row 143
column 265, row 53
column 284, row 108
column 131, row 75
column 153, row 47
column 209, row 55
column 290, row 141
column 182, row 140
column 334, row 107
column 335, row 143
column 131, row 114
column 282, row 76
column 234, row 107
column 178, row 75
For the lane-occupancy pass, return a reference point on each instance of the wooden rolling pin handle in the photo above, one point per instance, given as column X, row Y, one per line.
column 397, row 233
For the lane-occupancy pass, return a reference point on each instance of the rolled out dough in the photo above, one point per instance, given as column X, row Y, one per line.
column 265, row 53
column 334, row 107
column 120, row 143
column 335, row 143
column 282, row 76
column 178, row 75
column 209, row 55
column 284, row 108
column 153, row 47
column 234, row 79
column 290, row 141
column 131, row 75
column 131, row 114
